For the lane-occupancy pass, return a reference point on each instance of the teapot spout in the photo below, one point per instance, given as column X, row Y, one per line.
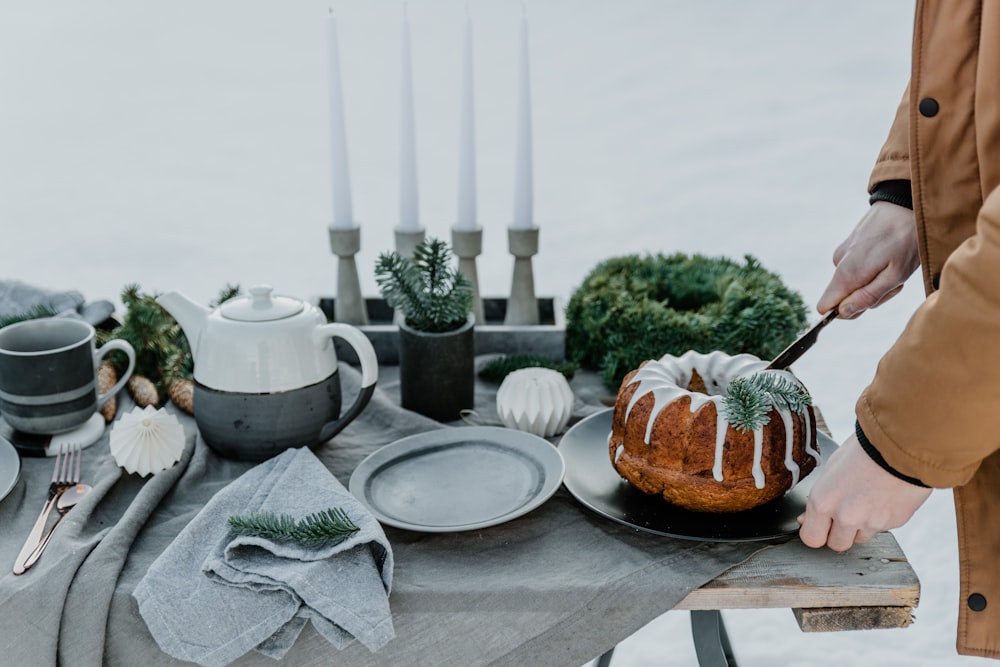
column 191, row 315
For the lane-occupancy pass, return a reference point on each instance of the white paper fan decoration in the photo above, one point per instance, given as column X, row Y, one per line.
column 536, row 400
column 147, row 440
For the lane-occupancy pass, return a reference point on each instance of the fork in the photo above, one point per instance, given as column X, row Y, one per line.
column 65, row 475
column 67, row 501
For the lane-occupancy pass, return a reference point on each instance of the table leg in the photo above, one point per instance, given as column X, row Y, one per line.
column 711, row 643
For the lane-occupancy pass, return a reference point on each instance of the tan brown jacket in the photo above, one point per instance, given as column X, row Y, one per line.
column 933, row 409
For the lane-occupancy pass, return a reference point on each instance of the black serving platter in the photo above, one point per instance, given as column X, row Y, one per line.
column 592, row 480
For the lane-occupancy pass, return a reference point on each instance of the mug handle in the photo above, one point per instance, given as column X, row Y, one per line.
column 122, row 346
column 369, row 372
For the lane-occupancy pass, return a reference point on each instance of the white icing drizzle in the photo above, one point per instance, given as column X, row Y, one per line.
column 810, row 450
column 793, row 467
column 720, row 440
column 667, row 380
column 619, row 450
column 758, row 449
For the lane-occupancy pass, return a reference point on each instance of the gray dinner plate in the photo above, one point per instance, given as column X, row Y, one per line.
column 10, row 467
column 593, row 481
column 457, row 479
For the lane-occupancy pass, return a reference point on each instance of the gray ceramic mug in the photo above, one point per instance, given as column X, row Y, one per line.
column 48, row 374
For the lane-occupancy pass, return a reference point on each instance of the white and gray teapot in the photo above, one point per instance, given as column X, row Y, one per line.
column 265, row 372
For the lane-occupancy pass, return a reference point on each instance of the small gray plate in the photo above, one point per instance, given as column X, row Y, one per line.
column 456, row 479
column 10, row 467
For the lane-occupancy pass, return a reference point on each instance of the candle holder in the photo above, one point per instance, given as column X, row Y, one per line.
column 522, row 308
column 467, row 245
column 349, row 307
column 408, row 240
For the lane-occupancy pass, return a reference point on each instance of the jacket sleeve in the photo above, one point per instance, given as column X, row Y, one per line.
column 932, row 408
column 893, row 163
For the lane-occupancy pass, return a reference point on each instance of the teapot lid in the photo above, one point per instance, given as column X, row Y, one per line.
column 261, row 306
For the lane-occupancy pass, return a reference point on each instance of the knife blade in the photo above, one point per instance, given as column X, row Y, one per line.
column 799, row 346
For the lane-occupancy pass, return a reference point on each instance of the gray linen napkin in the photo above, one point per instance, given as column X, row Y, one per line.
column 213, row 596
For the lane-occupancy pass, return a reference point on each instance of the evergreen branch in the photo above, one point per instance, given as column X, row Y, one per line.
column 162, row 351
column 750, row 398
column 455, row 300
column 33, row 313
column 398, row 282
column 786, row 391
column 426, row 290
column 431, row 259
column 497, row 369
column 326, row 528
column 745, row 407
column 225, row 294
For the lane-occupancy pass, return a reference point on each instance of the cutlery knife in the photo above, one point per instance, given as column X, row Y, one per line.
column 798, row 347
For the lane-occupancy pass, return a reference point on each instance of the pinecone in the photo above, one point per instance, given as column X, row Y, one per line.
column 106, row 379
column 143, row 391
column 182, row 394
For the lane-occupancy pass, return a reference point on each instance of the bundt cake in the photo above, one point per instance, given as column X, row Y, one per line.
column 670, row 435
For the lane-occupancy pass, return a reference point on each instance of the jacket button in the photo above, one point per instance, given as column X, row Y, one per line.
column 936, row 281
column 977, row 602
column 928, row 107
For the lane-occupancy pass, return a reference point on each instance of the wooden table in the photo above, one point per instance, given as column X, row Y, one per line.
column 871, row 586
column 555, row 587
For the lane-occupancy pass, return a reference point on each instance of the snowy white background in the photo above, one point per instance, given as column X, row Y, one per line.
column 184, row 145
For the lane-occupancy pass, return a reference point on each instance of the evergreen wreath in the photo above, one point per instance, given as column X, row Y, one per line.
column 749, row 399
column 431, row 295
column 633, row 308
column 326, row 528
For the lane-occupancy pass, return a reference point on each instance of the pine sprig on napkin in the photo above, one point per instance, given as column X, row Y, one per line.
column 326, row 528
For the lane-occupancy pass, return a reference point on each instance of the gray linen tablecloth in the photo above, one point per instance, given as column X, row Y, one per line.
column 558, row 586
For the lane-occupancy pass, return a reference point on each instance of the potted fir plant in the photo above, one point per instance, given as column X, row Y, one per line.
column 436, row 343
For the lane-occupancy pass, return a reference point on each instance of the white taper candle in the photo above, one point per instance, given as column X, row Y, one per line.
column 467, row 137
column 343, row 214
column 523, row 192
column 409, row 217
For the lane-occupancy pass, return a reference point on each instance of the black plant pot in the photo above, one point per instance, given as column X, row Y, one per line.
column 437, row 371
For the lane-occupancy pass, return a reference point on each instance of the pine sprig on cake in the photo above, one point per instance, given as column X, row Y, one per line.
column 326, row 528
column 749, row 399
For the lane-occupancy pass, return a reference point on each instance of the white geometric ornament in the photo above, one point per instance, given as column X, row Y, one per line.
column 536, row 400
column 147, row 440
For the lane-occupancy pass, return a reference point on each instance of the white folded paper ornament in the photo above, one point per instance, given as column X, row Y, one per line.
column 536, row 400
column 147, row 440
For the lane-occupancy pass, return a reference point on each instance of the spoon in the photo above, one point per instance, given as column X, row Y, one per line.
column 68, row 499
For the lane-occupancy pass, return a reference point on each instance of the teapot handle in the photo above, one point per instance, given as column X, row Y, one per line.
column 369, row 372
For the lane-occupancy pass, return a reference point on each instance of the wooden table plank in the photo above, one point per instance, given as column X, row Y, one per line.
column 794, row 576
column 853, row 618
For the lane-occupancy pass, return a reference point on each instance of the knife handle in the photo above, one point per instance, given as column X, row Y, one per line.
column 34, row 536
column 36, row 553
